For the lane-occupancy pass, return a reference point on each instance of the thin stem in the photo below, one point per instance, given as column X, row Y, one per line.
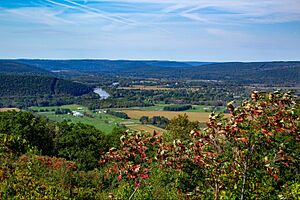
column 133, row 193
column 217, row 188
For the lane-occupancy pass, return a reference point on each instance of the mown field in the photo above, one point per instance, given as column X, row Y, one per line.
column 193, row 116
column 101, row 121
column 9, row 109
column 197, row 113
column 107, row 123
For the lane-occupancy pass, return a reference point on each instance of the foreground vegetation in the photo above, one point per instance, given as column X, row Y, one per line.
column 253, row 154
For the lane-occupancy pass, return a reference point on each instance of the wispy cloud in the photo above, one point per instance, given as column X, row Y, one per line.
column 175, row 28
column 201, row 11
column 36, row 15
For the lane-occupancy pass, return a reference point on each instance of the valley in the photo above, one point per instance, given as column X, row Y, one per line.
column 115, row 87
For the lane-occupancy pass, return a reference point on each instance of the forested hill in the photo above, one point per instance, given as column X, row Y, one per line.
column 25, row 85
column 11, row 67
column 251, row 72
column 255, row 72
column 106, row 65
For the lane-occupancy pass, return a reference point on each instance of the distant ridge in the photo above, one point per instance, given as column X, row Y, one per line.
column 278, row 72
column 13, row 67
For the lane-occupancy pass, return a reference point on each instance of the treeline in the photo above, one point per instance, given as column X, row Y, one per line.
column 210, row 94
column 42, row 100
column 178, row 107
column 118, row 114
column 95, row 103
column 80, row 143
column 158, row 121
column 63, row 111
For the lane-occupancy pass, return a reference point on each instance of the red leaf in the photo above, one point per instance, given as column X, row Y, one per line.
column 137, row 184
column 119, row 178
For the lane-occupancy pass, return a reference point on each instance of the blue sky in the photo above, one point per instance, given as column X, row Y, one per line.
column 202, row 30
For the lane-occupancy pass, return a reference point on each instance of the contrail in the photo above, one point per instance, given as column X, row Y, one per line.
column 86, row 10
column 103, row 13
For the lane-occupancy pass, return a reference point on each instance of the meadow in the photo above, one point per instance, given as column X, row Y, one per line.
column 102, row 121
column 197, row 113
column 193, row 116
column 107, row 123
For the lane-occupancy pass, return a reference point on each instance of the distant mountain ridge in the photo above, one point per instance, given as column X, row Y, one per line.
column 102, row 65
column 13, row 67
column 279, row 72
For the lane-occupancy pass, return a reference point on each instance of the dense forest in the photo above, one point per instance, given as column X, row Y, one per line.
column 178, row 107
column 252, row 154
column 15, row 85
column 28, row 90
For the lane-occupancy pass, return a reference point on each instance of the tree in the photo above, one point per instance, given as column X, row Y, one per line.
column 180, row 128
column 134, row 160
column 253, row 154
column 28, row 127
column 81, row 143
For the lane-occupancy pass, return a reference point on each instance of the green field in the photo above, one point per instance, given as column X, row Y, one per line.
column 105, row 122
column 101, row 121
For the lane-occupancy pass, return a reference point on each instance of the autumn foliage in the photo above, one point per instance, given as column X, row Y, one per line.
column 253, row 154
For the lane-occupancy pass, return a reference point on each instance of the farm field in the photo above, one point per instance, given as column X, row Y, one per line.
column 9, row 109
column 101, row 121
column 147, row 128
column 193, row 116
column 105, row 123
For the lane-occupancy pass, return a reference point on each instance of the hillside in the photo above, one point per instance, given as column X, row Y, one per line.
column 253, row 72
column 241, row 72
column 25, row 85
column 11, row 67
column 256, row 72
column 102, row 65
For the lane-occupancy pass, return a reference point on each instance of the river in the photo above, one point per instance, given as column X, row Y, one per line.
column 102, row 93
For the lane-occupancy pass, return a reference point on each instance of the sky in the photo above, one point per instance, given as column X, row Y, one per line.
column 187, row 30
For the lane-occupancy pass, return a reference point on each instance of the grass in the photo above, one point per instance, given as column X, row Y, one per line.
column 106, row 123
column 102, row 121
column 194, row 116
